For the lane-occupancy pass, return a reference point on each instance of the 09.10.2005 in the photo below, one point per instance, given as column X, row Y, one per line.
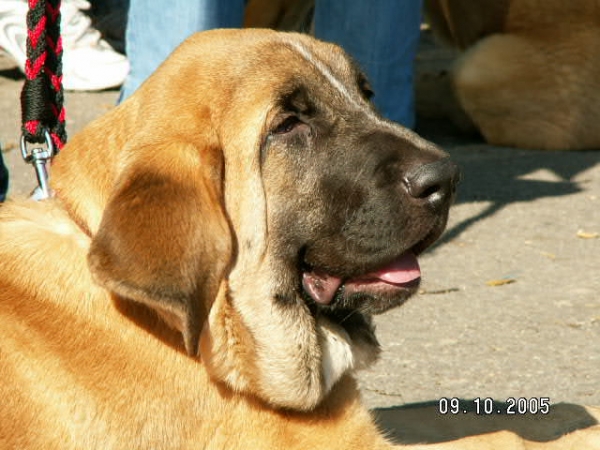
column 489, row 406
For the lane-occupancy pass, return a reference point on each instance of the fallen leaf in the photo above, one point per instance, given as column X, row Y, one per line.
column 500, row 282
column 8, row 146
column 587, row 234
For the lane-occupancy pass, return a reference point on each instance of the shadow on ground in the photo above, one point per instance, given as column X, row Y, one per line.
column 499, row 176
column 423, row 423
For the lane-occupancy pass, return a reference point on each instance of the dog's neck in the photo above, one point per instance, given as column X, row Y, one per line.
column 83, row 174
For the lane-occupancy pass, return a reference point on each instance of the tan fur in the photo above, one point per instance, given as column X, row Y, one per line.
column 119, row 327
column 63, row 338
column 528, row 76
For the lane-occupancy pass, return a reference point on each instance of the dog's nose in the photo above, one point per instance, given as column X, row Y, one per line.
column 433, row 183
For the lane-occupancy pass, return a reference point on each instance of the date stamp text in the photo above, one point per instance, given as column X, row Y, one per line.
column 488, row 406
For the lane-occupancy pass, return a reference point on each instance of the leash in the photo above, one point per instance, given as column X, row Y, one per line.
column 42, row 112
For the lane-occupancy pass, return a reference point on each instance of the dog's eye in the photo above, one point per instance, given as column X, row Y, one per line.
column 365, row 87
column 368, row 93
column 287, row 125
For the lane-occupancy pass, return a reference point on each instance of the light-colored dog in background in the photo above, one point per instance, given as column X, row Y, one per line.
column 529, row 72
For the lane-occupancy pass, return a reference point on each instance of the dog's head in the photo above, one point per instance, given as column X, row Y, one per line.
column 259, row 203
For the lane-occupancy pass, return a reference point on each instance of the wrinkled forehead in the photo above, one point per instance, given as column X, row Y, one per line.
column 219, row 64
column 318, row 77
column 324, row 66
column 286, row 61
column 324, row 57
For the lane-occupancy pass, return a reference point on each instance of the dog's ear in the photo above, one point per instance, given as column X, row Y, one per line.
column 164, row 239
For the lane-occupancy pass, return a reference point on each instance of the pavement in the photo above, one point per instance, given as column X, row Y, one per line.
column 510, row 301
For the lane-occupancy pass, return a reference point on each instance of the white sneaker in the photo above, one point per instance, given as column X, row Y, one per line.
column 13, row 30
column 89, row 62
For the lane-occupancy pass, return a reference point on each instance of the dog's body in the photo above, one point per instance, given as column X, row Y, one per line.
column 78, row 373
column 529, row 76
column 205, row 276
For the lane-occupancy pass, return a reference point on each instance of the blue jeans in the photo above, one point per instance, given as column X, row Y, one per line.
column 155, row 28
column 382, row 36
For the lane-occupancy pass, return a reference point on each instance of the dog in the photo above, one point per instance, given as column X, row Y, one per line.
column 213, row 255
column 525, row 76
column 206, row 272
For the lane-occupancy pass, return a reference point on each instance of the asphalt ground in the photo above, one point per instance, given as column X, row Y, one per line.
column 510, row 301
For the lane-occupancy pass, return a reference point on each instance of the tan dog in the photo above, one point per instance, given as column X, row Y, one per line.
column 205, row 276
column 529, row 76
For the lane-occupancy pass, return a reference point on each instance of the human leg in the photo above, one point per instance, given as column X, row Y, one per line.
column 155, row 28
column 382, row 36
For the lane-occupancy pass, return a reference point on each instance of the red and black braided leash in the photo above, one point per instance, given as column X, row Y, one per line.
column 42, row 96
column 43, row 113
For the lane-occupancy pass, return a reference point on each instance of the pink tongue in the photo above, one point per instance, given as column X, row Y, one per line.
column 322, row 287
column 403, row 270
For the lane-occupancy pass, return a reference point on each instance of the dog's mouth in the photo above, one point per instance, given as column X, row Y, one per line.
column 377, row 289
column 397, row 279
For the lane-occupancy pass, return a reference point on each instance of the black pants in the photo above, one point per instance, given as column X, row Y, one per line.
column 3, row 179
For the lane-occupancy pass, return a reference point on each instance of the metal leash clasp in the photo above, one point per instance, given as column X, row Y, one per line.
column 39, row 158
